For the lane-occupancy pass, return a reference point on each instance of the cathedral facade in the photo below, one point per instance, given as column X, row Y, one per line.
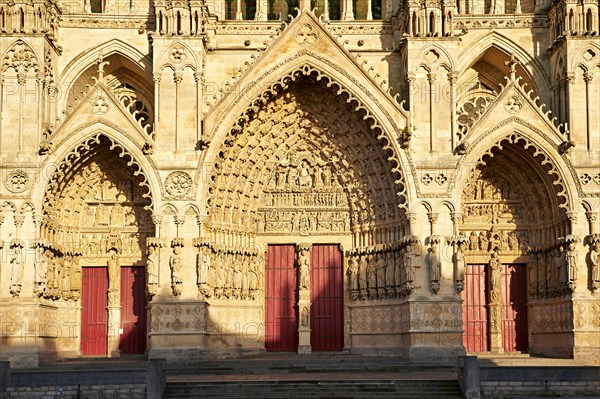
column 191, row 179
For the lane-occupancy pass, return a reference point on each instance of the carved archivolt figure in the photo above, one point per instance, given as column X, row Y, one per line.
column 114, row 270
column 176, row 263
column 151, row 271
column 304, row 263
column 16, row 273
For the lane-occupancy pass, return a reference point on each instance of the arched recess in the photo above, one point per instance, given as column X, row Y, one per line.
column 128, row 66
column 97, row 195
column 304, row 161
column 515, row 202
column 502, row 47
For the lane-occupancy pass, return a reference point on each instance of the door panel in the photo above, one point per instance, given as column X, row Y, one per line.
column 94, row 316
column 281, row 321
column 326, row 317
column 514, row 309
column 133, row 310
column 475, row 314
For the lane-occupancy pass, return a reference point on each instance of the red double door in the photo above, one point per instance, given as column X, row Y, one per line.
column 94, row 315
column 513, row 311
column 281, row 298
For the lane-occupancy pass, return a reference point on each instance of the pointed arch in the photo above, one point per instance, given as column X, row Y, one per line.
column 75, row 148
column 532, row 66
column 544, row 153
column 26, row 63
column 235, row 110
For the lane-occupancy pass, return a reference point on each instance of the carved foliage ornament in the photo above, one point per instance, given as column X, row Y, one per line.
column 178, row 185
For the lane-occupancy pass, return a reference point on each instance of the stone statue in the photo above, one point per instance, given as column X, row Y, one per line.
column 304, row 269
column 371, row 275
column 513, row 241
column 41, row 270
column 16, row 272
column 304, row 178
column 203, row 265
column 380, row 266
column 389, row 269
column 533, row 267
column 114, row 270
column 559, row 262
column 435, row 267
column 65, row 283
column 304, row 317
column 176, row 263
column 595, row 265
column 76, row 278
column 459, row 267
column 152, row 271
column 362, row 276
column 52, row 275
column 495, row 269
column 473, row 241
column 409, row 265
column 353, row 274
column 571, row 263
column 483, row 241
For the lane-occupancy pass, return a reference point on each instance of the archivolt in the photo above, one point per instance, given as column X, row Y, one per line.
column 307, row 116
column 85, row 151
column 535, row 158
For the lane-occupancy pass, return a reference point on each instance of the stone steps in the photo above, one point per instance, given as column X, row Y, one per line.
column 314, row 389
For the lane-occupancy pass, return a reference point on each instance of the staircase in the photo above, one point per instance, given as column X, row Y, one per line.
column 313, row 377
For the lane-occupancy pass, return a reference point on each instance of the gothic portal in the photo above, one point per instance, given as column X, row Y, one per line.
column 200, row 178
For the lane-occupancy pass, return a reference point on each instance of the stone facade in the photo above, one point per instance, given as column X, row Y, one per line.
column 188, row 136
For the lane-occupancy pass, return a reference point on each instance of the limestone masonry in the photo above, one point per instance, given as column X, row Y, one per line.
column 193, row 179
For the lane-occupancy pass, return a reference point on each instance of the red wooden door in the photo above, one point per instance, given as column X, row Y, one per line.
column 281, row 321
column 514, row 308
column 133, row 310
column 326, row 316
column 475, row 314
column 94, row 316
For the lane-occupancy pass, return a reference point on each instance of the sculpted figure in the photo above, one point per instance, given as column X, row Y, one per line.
column 16, row 272
column 571, row 260
column 152, row 270
column 65, row 283
column 304, row 175
column 473, row 241
column 41, row 269
column 203, row 265
column 435, row 267
column 304, row 264
column 362, row 275
column 533, row 267
column 389, row 269
column 371, row 274
column 176, row 262
column 114, row 270
column 560, row 264
column 409, row 265
column 53, row 267
column 595, row 267
column 380, row 265
column 459, row 266
column 495, row 268
column 76, row 279
column 353, row 273
column 483, row 241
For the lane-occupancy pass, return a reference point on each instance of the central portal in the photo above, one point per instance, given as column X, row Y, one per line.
column 288, row 314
